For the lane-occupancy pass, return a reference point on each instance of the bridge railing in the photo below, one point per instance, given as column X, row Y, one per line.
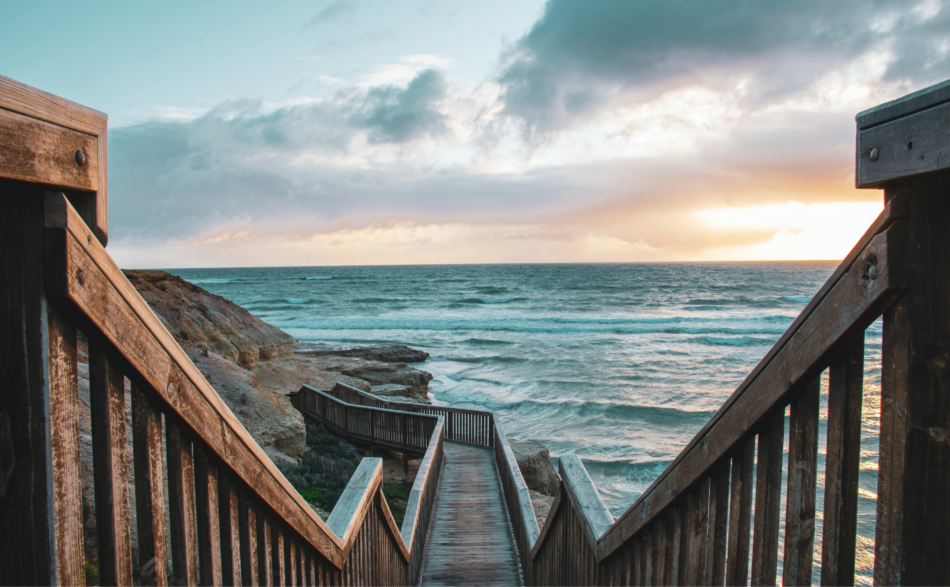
column 233, row 517
column 694, row 524
column 404, row 431
column 474, row 427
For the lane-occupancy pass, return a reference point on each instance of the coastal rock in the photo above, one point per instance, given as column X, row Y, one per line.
column 388, row 353
column 534, row 460
column 542, row 506
column 269, row 417
column 397, row 380
column 211, row 322
column 377, row 373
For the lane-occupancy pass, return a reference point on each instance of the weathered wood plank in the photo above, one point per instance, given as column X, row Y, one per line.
column 227, row 503
column 740, row 512
column 148, row 462
column 116, row 315
column 842, row 463
column 64, row 449
column 246, row 526
column 718, row 524
column 913, row 512
column 904, row 106
column 208, row 536
column 594, row 516
column 24, row 369
column 768, row 496
column 40, row 152
column 800, row 495
column 107, row 408
column 181, row 505
column 849, row 302
column 904, row 148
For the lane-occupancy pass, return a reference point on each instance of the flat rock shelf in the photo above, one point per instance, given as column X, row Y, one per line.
column 470, row 539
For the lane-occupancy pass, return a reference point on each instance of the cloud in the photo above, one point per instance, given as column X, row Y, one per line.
column 579, row 58
column 334, row 11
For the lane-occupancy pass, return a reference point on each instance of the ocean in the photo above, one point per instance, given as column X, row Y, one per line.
column 620, row 364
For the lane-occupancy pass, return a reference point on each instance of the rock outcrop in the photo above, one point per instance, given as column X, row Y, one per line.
column 211, row 322
column 534, row 460
column 387, row 353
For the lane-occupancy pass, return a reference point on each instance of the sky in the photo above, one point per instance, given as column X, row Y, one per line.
column 341, row 132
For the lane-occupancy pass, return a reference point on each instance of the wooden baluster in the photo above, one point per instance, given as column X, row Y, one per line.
column 686, row 534
column 701, row 530
column 107, row 407
column 802, row 476
column 264, row 573
column 64, row 449
column 149, row 486
column 843, row 460
column 768, row 497
column 372, row 432
column 209, row 534
column 245, row 528
column 718, row 525
column 181, row 503
column 276, row 550
column 740, row 512
column 288, row 560
column 226, row 510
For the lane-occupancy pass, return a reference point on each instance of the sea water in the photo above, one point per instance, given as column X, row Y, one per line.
column 620, row 364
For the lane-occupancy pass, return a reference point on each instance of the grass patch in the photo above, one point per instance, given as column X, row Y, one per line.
column 325, row 467
column 397, row 496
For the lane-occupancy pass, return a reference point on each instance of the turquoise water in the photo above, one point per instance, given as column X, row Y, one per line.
column 620, row 364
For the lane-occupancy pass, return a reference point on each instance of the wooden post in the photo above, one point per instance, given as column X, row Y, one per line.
column 902, row 147
column 845, row 389
column 107, row 408
column 149, row 486
column 181, row 503
column 800, row 495
column 27, row 506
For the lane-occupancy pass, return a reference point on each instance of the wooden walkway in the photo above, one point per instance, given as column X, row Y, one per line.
column 470, row 540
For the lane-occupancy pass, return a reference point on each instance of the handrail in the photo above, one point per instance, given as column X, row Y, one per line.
column 365, row 482
column 866, row 283
column 404, row 431
column 213, row 463
column 464, row 426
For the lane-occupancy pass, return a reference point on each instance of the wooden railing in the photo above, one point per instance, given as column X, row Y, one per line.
column 694, row 524
column 404, row 431
column 474, row 427
column 234, row 518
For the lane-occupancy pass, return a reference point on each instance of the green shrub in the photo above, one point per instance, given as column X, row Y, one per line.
column 325, row 468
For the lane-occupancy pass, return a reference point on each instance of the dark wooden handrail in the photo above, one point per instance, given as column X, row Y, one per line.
column 216, row 471
column 474, row 427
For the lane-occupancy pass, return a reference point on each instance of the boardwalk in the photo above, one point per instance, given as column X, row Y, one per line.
column 470, row 540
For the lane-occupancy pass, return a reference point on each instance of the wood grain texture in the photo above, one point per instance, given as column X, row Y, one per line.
column 26, row 504
column 740, row 513
column 208, row 536
column 470, row 540
column 107, row 408
column 768, row 496
column 181, row 504
column 149, row 469
column 800, row 494
column 842, row 464
column 112, row 311
column 910, row 146
column 580, row 489
column 904, row 106
column 37, row 104
column 913, row 515
column 852, row 303
column 40, row 152
column 227, row 526
column 64, row 449
column 718, row 524
column 43, row 107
